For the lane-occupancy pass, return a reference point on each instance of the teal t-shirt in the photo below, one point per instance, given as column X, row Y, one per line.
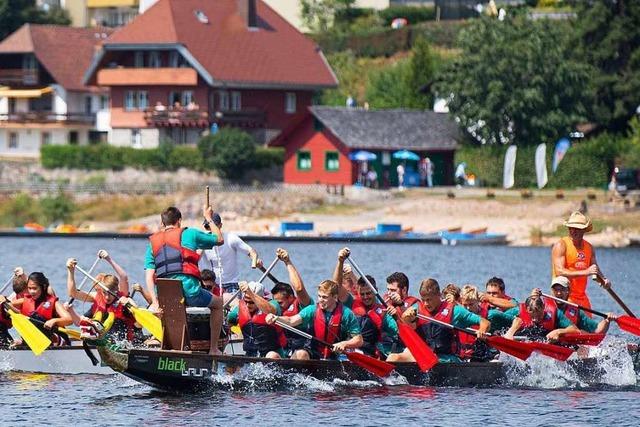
column 462, row 318
column 191, row 239
column 586, row 323
column 390, row 328
column 232, row 317
column 561, row 319
column 499, row 320
column 349, row 326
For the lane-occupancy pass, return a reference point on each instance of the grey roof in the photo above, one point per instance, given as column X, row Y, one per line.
column 389, row 129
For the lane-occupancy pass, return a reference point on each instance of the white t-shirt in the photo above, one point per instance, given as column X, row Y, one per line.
column 223, row 259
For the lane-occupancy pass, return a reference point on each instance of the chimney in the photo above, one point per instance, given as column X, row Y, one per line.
column 248, row 12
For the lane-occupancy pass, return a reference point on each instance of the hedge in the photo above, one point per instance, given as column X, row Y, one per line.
column 387, row 41
column 412, row 14
column 102, row 156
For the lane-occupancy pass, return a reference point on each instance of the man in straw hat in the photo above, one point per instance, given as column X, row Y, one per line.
column 574, row 258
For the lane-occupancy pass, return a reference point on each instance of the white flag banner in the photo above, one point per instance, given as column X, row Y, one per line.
column 508, row 179
column 541, row 165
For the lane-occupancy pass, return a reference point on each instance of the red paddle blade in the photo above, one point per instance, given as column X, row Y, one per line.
column 582, row 339
column 555, row 351
column 514, row 348
column 425, row 357
column 375, row 366
column 629, row 324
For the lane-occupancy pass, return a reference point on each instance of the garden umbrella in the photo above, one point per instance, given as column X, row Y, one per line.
column 406, row 155
column 362, row 156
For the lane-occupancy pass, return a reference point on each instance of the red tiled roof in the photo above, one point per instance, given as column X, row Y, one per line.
column 65, row 52
column 276, row 53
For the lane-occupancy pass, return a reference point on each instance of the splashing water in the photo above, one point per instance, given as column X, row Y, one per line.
column 615, row 362
column 540, row 372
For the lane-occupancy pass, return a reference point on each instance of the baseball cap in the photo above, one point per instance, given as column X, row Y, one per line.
column 560, row 281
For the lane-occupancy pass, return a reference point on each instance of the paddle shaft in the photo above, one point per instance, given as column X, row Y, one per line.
column 7, row 284
column 102, row 285
column 84, row 280
column 302, row 333
column 573, row 304
column 269, row 275
column 447, row 325
column 598, row 278
column 366, row 279
column 264, row 275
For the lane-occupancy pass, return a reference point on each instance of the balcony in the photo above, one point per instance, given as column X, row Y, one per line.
column 47, row 117
column 171, row 117
column 241, row 119
column 96, row 4
column 147, row 77
column 19, row 76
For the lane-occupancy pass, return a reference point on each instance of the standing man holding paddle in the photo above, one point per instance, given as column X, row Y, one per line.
column 574, row 258
column 172, row 254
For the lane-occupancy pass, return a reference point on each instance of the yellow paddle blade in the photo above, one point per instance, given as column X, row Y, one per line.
column 148, row 320
column 35, row 339
column 72, row 333
column 236, row 330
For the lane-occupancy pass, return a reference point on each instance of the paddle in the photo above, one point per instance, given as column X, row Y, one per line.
column 70, row 332
column 582, row 338
column 269, row 275
column 425, row 357
column 626, row 323
column 373, row 365
column 615, row 296
column 35, row 339
column 517, row 349
column 260, row 280
column 148, row 320
column 6, row 285
column 555, row 351
column 84, row 280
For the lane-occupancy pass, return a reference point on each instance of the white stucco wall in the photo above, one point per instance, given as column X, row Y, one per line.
column 149, row 138
column 30, row 140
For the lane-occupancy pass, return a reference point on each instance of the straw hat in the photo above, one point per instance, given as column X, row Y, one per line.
column 580, row 221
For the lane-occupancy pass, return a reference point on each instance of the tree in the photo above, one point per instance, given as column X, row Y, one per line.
column 57, row 208
column 515, row 82
column 319, row 15
column 608, row 38
column 14, row 13
column 230, row 152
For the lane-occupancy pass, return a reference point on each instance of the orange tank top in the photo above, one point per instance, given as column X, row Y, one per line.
column 577, row 259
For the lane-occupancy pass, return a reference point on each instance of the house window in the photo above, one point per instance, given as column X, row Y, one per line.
column 87, row 105
column 290, row 102
column 174, row 59
column 29, row 62
column 143, row 100
column 154, row 59
column 13, row 140
column 187, row 97
column 304, row 160
column 104, row 102
column 45, row 138
column 224, row 100
column 129, row 100
column 236, row 101
column 138, row 60
column 73, row 137
column 331, row 162
column 136, row 138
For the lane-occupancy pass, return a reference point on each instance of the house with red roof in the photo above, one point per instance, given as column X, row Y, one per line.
column 186, row 67
column 43, row 97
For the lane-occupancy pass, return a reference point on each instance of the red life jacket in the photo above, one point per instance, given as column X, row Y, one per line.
column 370, row 321
column 46, row 310
column 169, row 255
column 293, row 309
column 441, row 339
column 259, row 336
column 122, row 316
column 549, row 320
column 330, row 334
column 466, row 341
column 572, row 313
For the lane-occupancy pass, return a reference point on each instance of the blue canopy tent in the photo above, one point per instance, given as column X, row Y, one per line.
column 406, row 155
column 362, row 156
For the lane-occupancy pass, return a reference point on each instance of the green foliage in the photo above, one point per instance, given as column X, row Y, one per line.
column 268, row 157
column 411, row 13
column 185, row 157
column 19, row 210
column 631, row 158
column 57, row 208
column 230, row 152
column 15, row 13
column 513, row 82
column 319, row 15
column 608, row 38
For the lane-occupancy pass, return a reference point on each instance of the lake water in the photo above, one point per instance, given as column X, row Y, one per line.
column 548, row 395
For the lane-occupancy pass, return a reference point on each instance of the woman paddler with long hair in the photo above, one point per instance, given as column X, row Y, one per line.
column 43, row 308
column 108, row 311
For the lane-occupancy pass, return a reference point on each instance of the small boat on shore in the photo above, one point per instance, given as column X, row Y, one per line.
column 454, row 239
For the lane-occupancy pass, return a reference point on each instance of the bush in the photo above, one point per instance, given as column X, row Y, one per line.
column 268, row 157
column 185, row 157
column 19, row 210
column 230, row 152
column 57, row 208
column 412, row 14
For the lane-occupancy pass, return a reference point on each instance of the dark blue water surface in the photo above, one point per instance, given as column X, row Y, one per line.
column 549, row 395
